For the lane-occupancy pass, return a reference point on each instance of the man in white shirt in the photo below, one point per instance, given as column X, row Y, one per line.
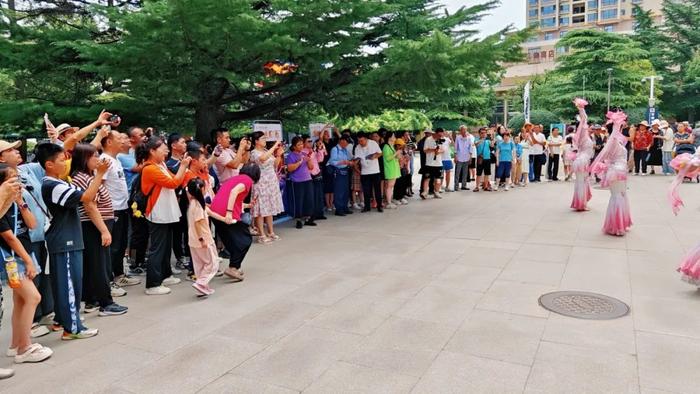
column 433, row 162
column 463, row 150
column 537, row 151
column 368, row 153
column 554, row 143
column 115, row 183
column 667, row 148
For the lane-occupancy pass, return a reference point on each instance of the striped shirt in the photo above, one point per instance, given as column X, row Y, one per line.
column 103, row 199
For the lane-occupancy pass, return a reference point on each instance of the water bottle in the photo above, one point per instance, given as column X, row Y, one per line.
column 12, row 272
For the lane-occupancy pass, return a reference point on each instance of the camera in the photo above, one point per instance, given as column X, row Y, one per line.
column 114, row 119
column 438, row 141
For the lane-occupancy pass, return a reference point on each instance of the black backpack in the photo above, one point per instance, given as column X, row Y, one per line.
column 137, row 200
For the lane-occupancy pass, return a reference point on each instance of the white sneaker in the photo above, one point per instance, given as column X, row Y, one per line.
column 35, row 354
column 357, row 206
column 391, row 206
column 158, row 290
column 6, row 373
column 39, row 331
column 495, row 188
column 175, row 270
column 123, row 280
column 171, row 280
column 438, row 196
column 116, row 291
column 507, row 188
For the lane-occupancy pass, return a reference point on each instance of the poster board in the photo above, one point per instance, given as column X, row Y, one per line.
column 271, row 128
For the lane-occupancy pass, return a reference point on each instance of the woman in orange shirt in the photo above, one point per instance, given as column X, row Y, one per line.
column 159, row 184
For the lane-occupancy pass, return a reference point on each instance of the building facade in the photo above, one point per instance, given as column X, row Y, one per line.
column 555, row 18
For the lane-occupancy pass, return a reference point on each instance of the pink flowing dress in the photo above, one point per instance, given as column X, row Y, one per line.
column 611, row 165
column 581, row 161
column 687, row 165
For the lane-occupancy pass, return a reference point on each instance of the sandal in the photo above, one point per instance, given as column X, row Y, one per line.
column 275, row 237
column 254, row 231
column 264, row 240
column 34, row 354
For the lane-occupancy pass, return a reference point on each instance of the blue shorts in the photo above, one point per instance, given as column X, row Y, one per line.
column 447, row 165
column 21, row 268
column 503, row 170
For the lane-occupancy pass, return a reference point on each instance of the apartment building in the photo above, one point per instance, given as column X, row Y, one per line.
column 555, row 18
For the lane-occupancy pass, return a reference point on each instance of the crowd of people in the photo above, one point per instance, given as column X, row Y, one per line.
column 83, row 221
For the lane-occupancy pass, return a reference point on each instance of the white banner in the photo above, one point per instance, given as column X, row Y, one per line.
column 526, row 102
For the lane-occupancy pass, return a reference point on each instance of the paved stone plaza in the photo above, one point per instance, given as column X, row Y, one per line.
column 439, row 296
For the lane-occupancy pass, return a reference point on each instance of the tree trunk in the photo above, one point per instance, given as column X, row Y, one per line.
column 207, row 117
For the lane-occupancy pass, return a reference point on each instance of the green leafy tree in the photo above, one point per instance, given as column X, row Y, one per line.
column 584, row 72
column 180, row 63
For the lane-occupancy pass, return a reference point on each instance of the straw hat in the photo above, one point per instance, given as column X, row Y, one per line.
column 63, row 127
column 4, row 145
column 643, row 123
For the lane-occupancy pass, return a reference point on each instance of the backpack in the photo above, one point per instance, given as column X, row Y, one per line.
column 137, row 200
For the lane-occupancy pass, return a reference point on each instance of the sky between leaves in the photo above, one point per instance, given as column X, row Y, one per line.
column 509, row 12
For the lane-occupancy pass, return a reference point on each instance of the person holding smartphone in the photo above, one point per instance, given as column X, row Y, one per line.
column 301, row 193
column 368, row 153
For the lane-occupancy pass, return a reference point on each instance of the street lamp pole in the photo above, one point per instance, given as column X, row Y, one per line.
column 652, row 79
column 652, row 114
column 610, row 70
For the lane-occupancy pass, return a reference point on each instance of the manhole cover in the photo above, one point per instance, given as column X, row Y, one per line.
column 583, row 305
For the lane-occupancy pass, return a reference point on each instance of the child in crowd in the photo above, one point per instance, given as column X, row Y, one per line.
column 505, row 150
column 64, row 238
column 518, row 169
column 14, row 243
column 524, row 160
column 568, row 154
column 205, row 257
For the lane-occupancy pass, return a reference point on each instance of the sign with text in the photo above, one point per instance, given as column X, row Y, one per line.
column 315, row 129
column 271, row 128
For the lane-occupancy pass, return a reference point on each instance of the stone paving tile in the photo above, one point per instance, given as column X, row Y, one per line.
column 666, row 362
column 403, row 361
column 357, row 314
column 187, row 370
column 499, row 336
column 462, row 373
column 468, row 278
column 396, row 284
column 346, row 378
column 486, row 257
column 617, row 334
column 525, row 271
column 400, row 333
column 440, row 304
column 232, row 384
column 562, row 368
column 513, row 297
column 668, row 315
column 299, row 359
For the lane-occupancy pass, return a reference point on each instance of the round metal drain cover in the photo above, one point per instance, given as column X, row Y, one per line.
column 583, row 305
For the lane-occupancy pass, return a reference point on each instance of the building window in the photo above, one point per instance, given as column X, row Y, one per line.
column 532, row 13
column 606, row 3
column 592, row 4
column 532, row 2
column 548, row 36
column 608, row 14
column 592, row 17
column 548, row 22
column 622, row 12
column 549, row 9
column 579, row 9
column 578, row 19
column 551, row 53
column 562, row 33
column 562, row 50
column 564, row 9
column 564, row 21
column 609, row 28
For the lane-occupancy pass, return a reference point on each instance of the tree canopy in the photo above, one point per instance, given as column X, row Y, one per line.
column 187, row 64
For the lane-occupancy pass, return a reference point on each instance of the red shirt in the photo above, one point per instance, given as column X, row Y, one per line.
column 642, row 139
column 220, row 202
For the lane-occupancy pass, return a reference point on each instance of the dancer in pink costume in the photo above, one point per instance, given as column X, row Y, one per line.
column 583, row 146
column 611, row 166
column 686, row 165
